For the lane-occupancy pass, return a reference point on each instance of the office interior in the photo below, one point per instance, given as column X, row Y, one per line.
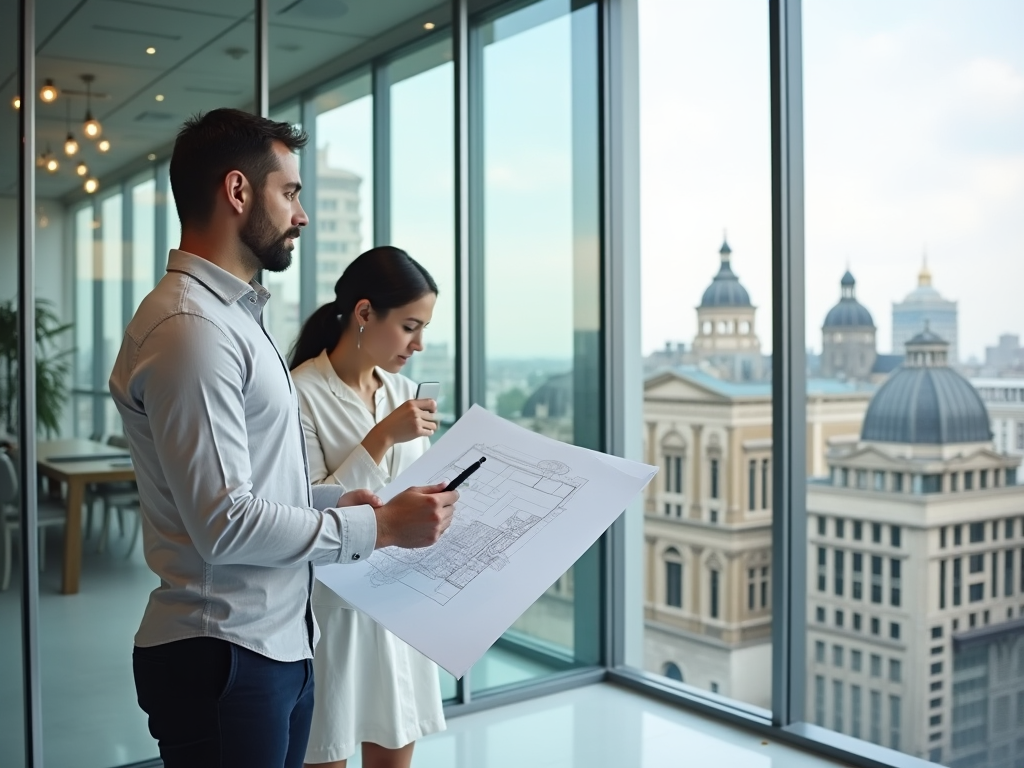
column 725, row 618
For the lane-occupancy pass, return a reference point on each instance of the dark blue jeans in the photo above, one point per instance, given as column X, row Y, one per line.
column 214, row 704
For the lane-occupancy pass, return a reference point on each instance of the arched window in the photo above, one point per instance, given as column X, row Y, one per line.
column 673, row 578
column 672, row 671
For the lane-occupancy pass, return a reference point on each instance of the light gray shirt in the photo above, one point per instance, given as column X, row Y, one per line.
column 230, row 522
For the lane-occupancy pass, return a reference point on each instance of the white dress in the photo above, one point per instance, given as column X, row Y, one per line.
column 370, row 686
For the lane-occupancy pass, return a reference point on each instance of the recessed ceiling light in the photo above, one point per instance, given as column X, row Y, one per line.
column 151, row 156
column 429, row 25
column 103, row 146
column 151, row 50
column 159, row 97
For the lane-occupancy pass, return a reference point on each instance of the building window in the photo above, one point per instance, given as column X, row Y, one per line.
column 837, row 706
column 765, row 494
column 673, row 473
column 837, row 656
column 935, row 703
column 764, row 586
column 856, row 622
column 995, row 574
column 752, row 486
column 976, row 593
column 894, row 630
column 840, row 618
column 821, row 525
column 895, row 536
column 714, row 687
column 942, row 585
column 876, row 533
column 1008, row 528
column 668, row 509
column 936, row 668
column 822, row 569
column 894, row 582
column 879, row 477
column 1008, row 572
column 942, row 537
column 876, row 665
column 954, row 482
column 862, row 479
column 846, row 477
column 672, row 671
column 894, row 722
column 819, row 615
column 897, row 482
column 976, row 563
column 840, row 528
column 937, row 650
column 751, row 588
column 895, row 671
column 931, row 483
column 838, row 567
column 858, row 530
column 977, row 533
column 876, row 579
column 936, row 633
column 855, row 707
column 858, row 576
column 876, row 626
column 957, row 578
column 819, row 700
column 983, row 477
column 714, row 594
column 714, row 478
column 673, row 578
column 875, row 717
column 958, row 537
column 968, row 481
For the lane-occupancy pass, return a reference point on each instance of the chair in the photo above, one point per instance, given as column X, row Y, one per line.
column 116, row 500
column 50, row 514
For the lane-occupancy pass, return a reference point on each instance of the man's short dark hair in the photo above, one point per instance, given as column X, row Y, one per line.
column 211, row 145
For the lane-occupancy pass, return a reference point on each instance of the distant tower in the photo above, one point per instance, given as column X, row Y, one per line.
column 925, row 304
column 848, row 337
column 725, row 326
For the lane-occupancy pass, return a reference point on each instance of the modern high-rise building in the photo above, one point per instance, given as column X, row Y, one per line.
column 915, row 562
column 726, row 336
column 925, row 305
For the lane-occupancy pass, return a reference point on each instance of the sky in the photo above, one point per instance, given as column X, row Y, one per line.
column 914, row 144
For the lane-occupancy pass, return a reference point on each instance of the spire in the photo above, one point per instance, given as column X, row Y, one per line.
column 924, row 277
column 725, row 252
column 847, row 286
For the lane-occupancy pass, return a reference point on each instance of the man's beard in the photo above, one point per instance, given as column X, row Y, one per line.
column 267, row 244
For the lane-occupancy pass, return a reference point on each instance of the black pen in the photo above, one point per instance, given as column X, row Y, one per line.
column 464, row 475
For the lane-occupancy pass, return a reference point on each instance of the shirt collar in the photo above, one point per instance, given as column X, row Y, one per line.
column 343, row 390
column 220, row 282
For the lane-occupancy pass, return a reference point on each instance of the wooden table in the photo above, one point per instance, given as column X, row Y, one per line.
column 77, row 463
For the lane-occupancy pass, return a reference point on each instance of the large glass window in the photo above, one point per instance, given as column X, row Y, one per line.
column 536, row 259
column 912, row 120
column 707, row 336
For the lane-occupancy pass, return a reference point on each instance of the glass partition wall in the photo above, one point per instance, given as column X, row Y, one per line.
column 499, row 143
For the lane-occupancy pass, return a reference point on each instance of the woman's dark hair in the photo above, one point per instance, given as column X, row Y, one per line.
column 385, row 276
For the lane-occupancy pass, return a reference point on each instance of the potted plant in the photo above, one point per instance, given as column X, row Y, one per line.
column 53, row 367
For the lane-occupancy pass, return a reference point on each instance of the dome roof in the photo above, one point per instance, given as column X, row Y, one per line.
column 725, row 290
column 848, row 313
column 926, row 402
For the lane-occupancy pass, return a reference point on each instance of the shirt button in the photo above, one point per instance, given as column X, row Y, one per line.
column 355, row 556
column 252, row 299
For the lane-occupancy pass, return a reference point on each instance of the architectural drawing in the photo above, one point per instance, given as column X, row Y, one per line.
column 501, row 507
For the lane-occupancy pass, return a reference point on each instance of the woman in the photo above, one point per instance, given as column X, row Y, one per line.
column 363, row 427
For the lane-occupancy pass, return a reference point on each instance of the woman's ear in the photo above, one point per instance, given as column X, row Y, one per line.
column 363, row 310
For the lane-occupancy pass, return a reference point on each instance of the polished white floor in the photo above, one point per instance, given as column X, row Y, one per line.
column 600, row 726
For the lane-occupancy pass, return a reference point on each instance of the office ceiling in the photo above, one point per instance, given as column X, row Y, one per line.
column 203, row 60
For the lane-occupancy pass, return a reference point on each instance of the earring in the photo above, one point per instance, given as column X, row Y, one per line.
column 359, row 338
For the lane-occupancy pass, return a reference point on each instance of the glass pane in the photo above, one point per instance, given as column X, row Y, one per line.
column 109, row 230
column 12, row 706
column 342, row 218
column 913, row 119
column 706, row 236
column 423, row 198
column 538, row 172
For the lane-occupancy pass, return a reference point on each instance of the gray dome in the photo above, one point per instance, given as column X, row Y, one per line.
column 725, row 290
column 848, row 313
column 926, row 402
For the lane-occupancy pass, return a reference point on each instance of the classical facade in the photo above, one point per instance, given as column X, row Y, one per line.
column 848, row 348
column 915, row 567
column 708, row 521
column 924, row 305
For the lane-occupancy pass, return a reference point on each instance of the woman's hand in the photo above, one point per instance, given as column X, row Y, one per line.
column 411, row 420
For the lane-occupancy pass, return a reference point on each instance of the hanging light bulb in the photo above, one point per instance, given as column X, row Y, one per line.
column 103, row 146
column 91, row 185
column 81, row 169
column 16, row 102
column 51, row 164
column 91, row 127
column 70, row 145
column 49, row 92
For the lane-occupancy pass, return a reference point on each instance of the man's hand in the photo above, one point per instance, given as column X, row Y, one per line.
column 358, row 498
column 416, row 517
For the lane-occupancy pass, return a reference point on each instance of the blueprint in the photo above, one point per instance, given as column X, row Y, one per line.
column 521, row 521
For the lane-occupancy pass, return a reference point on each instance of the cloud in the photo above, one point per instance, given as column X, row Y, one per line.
column 992, row 81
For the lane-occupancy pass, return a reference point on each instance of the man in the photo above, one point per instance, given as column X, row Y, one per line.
column 231, row 525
